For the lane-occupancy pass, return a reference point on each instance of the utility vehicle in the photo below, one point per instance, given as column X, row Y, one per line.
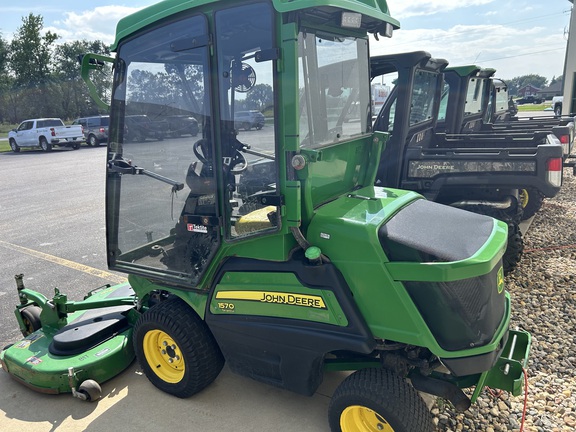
column 275, row 254
column 475, row 103
column 478, row 172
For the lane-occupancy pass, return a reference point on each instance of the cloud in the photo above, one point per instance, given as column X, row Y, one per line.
column 489, row 45
column 99, row 23
column 406, row 8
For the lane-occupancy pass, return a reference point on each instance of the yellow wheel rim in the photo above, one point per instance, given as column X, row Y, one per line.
column 357, row 418
column 524, row 197
column 163, row 356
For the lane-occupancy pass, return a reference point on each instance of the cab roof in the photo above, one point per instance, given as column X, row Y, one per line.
column 375, row 12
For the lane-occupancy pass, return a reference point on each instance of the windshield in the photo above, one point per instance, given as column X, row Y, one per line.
column 334, row 89
column 159, row 184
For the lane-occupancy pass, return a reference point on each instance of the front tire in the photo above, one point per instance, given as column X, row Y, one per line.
column 15, row 147
column 175, row 349
column 377, row 400
column 558, row 110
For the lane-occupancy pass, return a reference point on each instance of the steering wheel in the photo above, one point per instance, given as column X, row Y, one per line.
column 237, row 159
column 199, row 152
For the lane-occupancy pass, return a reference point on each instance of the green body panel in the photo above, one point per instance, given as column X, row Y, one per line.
column 275, row 295
column 335, row 170
column 346, row 230
column 377, row 9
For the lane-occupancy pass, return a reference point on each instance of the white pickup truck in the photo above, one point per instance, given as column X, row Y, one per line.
column 45, row 133
column 557, row 105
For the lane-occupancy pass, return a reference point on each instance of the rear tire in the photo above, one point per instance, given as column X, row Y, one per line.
column 377, row 400
column 531, row 201
column 514, row 249
column 45, row 145
column 92, row 141
column 176, row 349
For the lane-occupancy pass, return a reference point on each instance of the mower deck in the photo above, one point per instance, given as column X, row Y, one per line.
column 95, row 344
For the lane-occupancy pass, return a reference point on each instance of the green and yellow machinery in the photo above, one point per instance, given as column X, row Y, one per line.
column 271, row 249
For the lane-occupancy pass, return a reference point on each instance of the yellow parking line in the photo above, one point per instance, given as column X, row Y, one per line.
column 66, row 263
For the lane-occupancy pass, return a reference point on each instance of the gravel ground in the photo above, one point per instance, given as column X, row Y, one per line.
column 543, row 291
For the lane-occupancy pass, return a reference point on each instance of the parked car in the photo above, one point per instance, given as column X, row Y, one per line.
column 182, row 125
column 141, row 127
column 529, row 99
column 95, row 129
column 248, row 120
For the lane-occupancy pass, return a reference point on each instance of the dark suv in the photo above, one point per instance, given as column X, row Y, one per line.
column 95, row 129
column 248, row 120
column 141, row 127
column 182, row 125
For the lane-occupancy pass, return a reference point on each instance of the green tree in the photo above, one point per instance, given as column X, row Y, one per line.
column 556, row 79
column 30, row 52
column 74, row 98
column 5, row 79
column 29, row 61
column 517, row 83
column 260, row 97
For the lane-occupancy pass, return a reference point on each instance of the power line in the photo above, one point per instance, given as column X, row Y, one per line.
column 479, row 30
column 525, row 54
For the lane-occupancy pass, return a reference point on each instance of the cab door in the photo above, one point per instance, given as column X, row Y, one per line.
column 162, row 212
column 25, row 134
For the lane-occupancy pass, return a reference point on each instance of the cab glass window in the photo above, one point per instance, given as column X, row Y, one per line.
column 423, row 96
column 246, row 66
column 334, row 86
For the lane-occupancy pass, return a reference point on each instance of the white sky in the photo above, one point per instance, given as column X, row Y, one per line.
column 516, row 37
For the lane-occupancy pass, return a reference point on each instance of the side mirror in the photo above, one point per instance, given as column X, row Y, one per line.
column 90, row 62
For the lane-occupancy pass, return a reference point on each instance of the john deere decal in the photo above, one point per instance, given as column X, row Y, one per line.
column 274, row 297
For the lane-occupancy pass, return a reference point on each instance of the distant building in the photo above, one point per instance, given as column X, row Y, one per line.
column 528, row 90
column 551, row 91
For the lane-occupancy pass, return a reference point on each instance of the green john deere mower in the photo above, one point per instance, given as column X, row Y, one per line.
column 270, row 249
